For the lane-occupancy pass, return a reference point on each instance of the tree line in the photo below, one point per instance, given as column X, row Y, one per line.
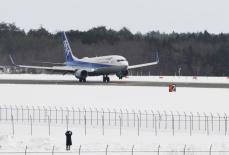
column 194, row 54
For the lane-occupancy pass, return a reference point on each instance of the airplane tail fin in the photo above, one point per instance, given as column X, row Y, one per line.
column 67, row 49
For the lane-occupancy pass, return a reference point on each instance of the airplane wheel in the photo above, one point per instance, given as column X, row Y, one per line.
column 82, row 80
column 106, row 79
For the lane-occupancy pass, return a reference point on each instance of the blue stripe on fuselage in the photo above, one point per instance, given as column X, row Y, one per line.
column 86, row 64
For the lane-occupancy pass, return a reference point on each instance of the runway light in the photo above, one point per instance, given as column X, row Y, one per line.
column 195, row 77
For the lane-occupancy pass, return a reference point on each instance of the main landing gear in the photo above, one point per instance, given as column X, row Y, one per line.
column 82, row 80
column 106, row 79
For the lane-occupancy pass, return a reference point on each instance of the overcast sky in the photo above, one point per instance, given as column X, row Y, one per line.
column 137, row 15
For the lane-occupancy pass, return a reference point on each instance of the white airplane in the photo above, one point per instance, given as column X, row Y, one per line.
column 94, row 66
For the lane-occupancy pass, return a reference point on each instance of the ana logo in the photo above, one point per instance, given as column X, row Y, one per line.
column 67, row 50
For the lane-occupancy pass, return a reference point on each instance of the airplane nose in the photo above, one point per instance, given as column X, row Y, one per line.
column 125, row 63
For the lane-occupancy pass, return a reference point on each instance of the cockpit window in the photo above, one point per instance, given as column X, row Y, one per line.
column 119, row 60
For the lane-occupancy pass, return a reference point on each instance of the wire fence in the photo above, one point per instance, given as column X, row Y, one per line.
column 128, row 151
column 121, row 119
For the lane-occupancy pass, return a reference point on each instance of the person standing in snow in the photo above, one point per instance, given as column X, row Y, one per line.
column 68, row 135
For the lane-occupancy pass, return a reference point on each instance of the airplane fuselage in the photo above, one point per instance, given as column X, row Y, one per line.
column 103, row 65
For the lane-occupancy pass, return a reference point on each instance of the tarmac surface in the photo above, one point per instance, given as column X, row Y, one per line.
column 115, row 83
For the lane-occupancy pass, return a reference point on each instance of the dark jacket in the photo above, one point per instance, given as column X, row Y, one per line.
column 68, row 138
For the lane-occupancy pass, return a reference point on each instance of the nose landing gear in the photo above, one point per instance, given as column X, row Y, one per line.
column 106, row 79
column 82, row 80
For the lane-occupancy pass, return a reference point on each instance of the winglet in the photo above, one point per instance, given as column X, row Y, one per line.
column 157, row 57
column 12, row 60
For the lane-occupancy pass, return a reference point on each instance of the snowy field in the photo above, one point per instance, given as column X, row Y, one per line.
column 203, row 100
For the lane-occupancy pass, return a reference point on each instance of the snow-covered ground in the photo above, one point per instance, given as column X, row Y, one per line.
column 139, row 98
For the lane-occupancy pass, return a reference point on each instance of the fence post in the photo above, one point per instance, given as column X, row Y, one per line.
column 33, row 113
column 85, row 124
column 185, row 121
column 103, row 123
column 138, row 125
column 11, row 111
column 178, row 119
column 205, row 120
column 85, row 112
column 198, row 119
column 134, row 117
column 67, row 112
column 172, row 123
column 91, row 115
column 22, row 113
column 165, row 119
column 121, row 116
column 158, row 149
column 62, row 115
column 109, row 113
column 50, row 114
column 127, row 117
column 207, row 125
column 106, row 149
column 45, row 113
column 79, row 149
column 159, row 119
column 73, row 115
column 25, row 149
column 56, row 114
column 16, row 112
column 49, row 125
column 210, row 150
column 132, row 150
column 120, row 120
column 184, row 149
column 6, row 112
column 219, row 121
column 97, row 116
column 31, row 126
column 155, row 117
column 146, row 119
column 152, row 118
column 103, row 115
column 39, row 114
column 12, row 121
column 28, row 114
column 140, row 118
column 115, row 116
column 225, row 124
column 212, row 121
column 192, row 120
column 190, row 125
column 53, row 150
column 67, row 121
column 0, row 113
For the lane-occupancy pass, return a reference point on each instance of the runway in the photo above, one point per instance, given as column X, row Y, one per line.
column 115, row 83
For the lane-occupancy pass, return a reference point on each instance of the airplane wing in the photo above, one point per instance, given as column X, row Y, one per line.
column 145, row 64
column 53, row 68
column 50, row 63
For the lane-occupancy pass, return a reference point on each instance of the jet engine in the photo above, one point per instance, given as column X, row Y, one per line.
column 81, row 74
column 122, row 74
